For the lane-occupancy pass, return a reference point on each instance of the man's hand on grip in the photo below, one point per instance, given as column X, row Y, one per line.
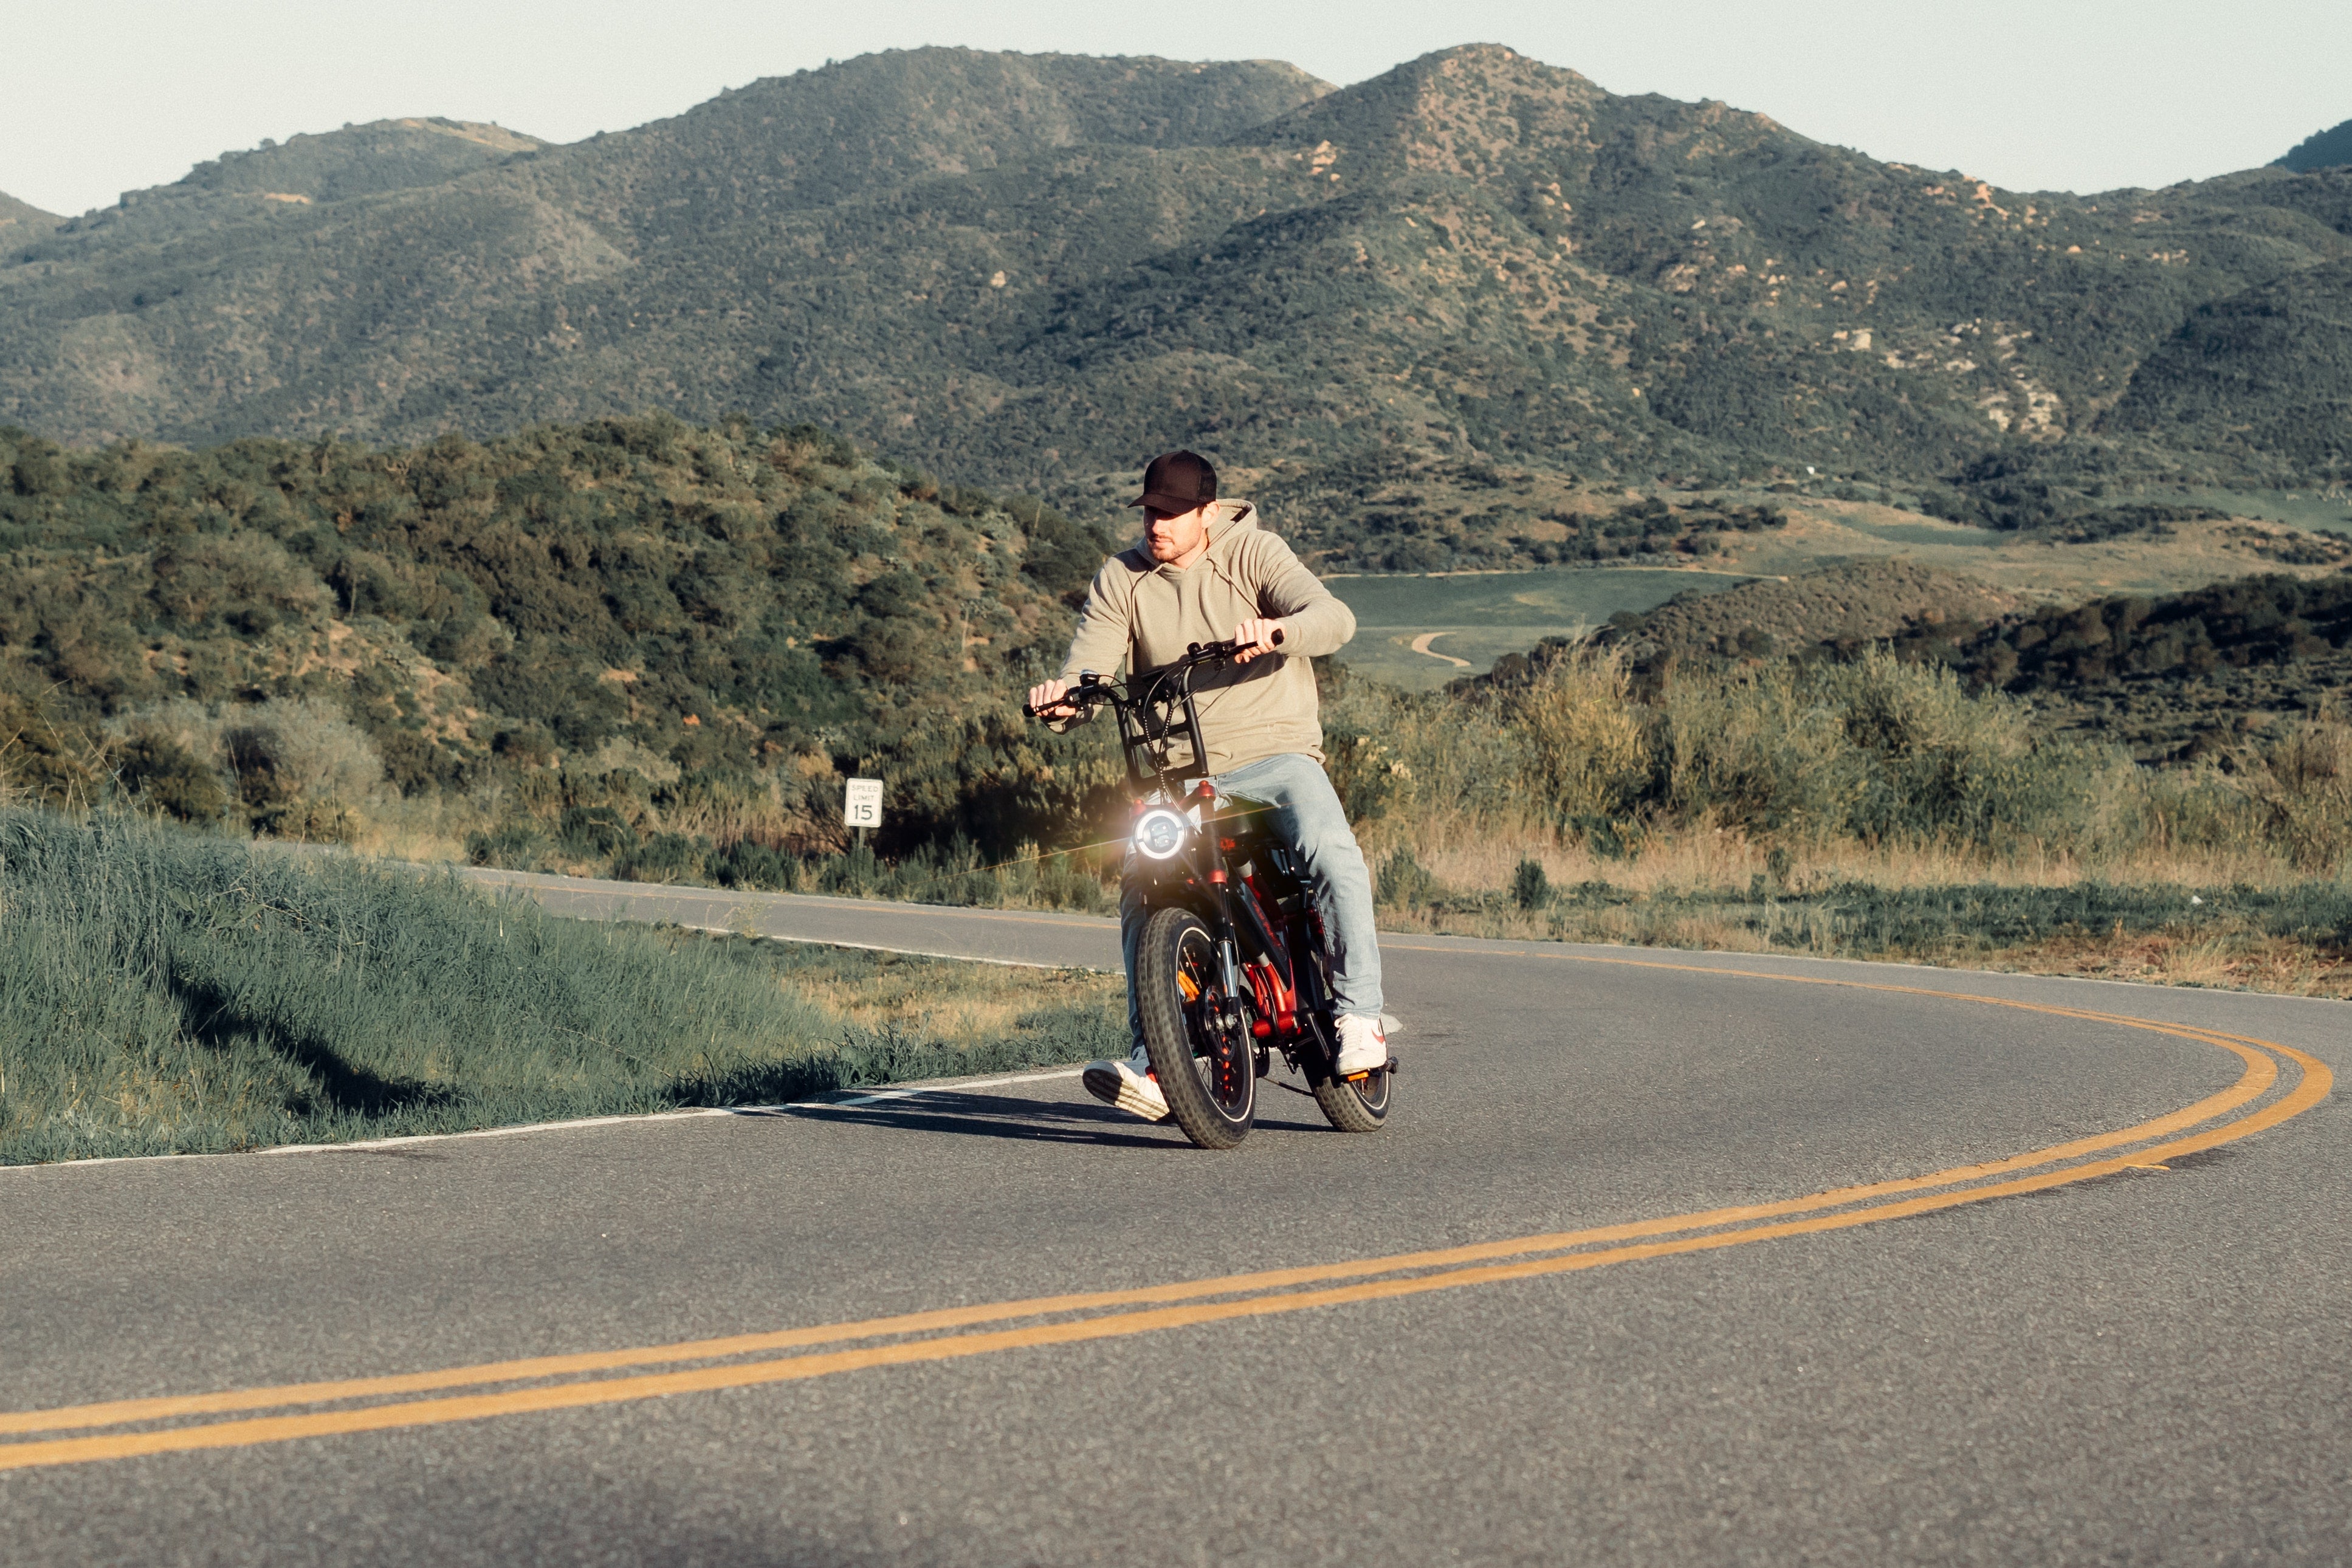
column 1256, row 638
column 1046, row 700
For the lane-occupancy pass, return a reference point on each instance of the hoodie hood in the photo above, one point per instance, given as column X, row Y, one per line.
column 1233, row 518
column 1229, row 522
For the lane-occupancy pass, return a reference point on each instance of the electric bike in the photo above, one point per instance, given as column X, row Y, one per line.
column 1234, row 969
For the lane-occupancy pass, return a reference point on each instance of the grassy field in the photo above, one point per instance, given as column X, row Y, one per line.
column 2328, row 510
column 166, row 993
column 2183, row 555
column 1480, row 616
column 1477, row 617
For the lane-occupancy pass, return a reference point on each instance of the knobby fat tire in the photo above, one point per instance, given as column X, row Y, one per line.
column 1349, row 1108
column 1166, row 1034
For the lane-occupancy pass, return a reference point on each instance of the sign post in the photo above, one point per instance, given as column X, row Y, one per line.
column 861, row 806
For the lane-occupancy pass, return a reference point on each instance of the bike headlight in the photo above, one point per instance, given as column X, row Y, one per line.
column 1159, row 832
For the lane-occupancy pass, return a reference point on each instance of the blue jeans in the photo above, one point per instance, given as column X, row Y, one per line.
column 1307, row 813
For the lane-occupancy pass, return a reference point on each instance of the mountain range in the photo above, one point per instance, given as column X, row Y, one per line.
column 1473, row 271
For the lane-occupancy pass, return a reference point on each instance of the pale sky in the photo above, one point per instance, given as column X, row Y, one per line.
column 104, row 96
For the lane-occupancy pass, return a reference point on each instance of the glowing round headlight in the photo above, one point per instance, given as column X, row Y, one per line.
column 1159, row 833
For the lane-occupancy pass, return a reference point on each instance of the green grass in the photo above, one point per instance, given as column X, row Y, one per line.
column 165, row 992
column 2325, row 510
column 1485, row 615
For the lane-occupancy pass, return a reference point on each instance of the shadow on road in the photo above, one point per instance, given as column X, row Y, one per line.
column 1001, row 1116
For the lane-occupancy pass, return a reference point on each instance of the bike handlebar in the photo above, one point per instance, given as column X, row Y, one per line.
column 1218, row 652
column 1099, row 690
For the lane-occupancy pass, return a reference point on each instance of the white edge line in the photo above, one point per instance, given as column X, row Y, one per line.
column 945, row 1085
column 904, row 951
column 742, row 898
column 956, row 1087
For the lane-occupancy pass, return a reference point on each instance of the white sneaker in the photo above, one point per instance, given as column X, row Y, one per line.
column 1128, row 1084
column 1363, row 1045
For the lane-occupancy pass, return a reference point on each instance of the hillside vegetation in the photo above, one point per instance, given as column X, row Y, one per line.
column 2203, row 674
column 629, row 645
column 1425, row 296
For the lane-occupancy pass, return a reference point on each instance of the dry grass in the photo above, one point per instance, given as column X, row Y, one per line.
column 2241, row 962
column 1721, row 860
column 2263, row 928
column 429, row 829
column 938, row 999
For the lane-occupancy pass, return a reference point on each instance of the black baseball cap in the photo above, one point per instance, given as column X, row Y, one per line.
column 1177, row 481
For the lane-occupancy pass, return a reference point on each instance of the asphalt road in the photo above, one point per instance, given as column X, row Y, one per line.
column 1634, row 1330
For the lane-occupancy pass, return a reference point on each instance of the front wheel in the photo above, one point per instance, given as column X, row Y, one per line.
column 1206, row 1070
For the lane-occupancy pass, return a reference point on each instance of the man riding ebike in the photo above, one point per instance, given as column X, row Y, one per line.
column 1203, row 571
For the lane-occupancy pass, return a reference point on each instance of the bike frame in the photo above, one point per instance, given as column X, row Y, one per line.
column 1266, row 955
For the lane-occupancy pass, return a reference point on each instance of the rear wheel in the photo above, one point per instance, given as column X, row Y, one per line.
column 1358, row 1107
column 1207, row 1071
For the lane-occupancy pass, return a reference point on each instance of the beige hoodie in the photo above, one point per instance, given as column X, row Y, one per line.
column 1143, row 615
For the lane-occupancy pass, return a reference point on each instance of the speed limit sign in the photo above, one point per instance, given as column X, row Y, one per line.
column 861, row 804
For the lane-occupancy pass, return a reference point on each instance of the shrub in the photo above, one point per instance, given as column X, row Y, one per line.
column 1875, row 748
column 1591, row 754
column 296, row 766
column 1405, row 883
column 746, row 864
column 42, row 760
column 2305, row 788
column 596, row 831
column 311, row 822
column 158, row 771
column 510, row 847
column 663, row 858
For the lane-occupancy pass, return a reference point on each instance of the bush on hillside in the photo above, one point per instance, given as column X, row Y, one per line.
column 686, row 631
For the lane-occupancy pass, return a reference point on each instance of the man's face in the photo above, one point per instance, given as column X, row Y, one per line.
column 1174, row 535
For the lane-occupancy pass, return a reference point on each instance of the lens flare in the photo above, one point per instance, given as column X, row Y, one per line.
column 1159, row 833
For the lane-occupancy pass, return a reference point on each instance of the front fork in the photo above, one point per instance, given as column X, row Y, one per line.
column 1229, row 962
column 1223, row 890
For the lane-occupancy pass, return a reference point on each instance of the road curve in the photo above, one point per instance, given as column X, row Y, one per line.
column 1664, row 1256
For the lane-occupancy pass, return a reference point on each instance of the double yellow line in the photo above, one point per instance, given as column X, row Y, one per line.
column 570, row 1382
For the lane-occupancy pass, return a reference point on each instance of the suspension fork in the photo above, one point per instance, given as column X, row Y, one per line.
column 1221, row 886
column 1229, row 966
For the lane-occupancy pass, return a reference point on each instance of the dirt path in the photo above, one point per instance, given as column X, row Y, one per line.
column 1421, row 644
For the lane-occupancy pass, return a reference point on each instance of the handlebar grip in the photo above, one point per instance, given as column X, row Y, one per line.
column 1079, row 697
column 1227, row 649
